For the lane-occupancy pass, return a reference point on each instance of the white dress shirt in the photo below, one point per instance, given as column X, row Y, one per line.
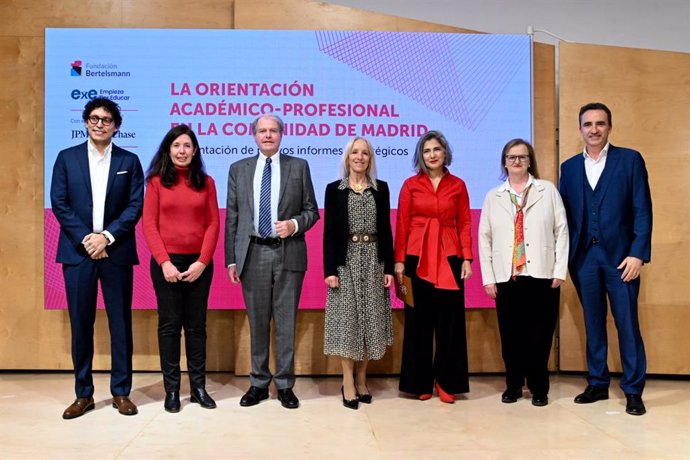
column 275, row 190
column 594, row 168
column 99, row 168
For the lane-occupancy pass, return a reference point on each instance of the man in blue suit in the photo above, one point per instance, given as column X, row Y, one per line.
column 97, row 195
column 609, row 208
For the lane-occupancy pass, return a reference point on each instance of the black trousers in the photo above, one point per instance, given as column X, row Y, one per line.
column 527, row 311
column 182, row 305
column 437, row 316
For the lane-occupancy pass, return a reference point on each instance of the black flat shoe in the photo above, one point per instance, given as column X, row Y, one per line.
column 172, row 401
column 349, row 403
column 510, row 396
column 288, row 399
column 634, row 405
column 253, row 396
column 540, row 400
column 200, row 396
column 592, row 394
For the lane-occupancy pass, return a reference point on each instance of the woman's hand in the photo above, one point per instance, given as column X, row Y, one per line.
column 193, row 272
column 556, row 282
column 387, row 281
column 332, row 282
column 170, row 272
column 399, row 271
column 466, row 272
column 491, row 290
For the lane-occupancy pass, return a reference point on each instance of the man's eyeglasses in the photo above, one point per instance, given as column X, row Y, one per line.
column 107, row 121
column 517, row 158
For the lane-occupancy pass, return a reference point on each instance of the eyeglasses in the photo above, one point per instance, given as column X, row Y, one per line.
column 517, row 158
column 93, row 119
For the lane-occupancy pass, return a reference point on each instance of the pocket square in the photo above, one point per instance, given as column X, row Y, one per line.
column 122, row 172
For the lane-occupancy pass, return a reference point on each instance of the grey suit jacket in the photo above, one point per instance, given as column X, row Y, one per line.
column 296, row 201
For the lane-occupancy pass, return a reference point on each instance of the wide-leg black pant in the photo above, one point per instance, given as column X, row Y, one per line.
column 437, row 318
column 182, row 305
column 527, row 310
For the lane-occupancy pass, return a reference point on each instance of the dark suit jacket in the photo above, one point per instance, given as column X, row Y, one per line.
column 625, row 206
column 336, row 229
column 72, row 202
column 296, row 201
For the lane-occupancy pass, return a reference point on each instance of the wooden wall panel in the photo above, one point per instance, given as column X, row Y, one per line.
column 649, row 95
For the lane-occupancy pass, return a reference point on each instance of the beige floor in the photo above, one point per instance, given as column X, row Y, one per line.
column 478, row 426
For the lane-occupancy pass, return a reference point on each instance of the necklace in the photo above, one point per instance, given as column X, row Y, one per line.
column 357, row 187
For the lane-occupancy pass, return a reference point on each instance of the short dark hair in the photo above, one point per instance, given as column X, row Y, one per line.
column 532, row 168
column 272, row 116
column 106, row 104
column 594, row 106
column 418, row 159
column 162, row 165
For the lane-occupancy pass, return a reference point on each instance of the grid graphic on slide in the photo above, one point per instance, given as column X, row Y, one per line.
column 456, row 75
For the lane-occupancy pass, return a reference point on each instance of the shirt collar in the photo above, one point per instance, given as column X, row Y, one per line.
column 505, row 187
column 275, row 159
column 602, row 155
column 345, row 183
column 95, row 154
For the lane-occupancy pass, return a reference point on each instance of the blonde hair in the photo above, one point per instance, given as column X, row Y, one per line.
column 370, row 173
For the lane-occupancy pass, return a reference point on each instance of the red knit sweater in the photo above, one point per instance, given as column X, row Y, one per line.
column 181, row 220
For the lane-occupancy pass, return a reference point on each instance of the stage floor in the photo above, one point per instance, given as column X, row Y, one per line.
column 477, row 426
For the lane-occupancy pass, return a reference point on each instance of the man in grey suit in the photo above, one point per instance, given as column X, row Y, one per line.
column 271, row 204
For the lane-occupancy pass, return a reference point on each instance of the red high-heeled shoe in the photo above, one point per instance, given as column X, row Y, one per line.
column 424, row 396
column 445, row 397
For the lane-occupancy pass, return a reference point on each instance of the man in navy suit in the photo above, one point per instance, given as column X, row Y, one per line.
column 97, row 195
column 609, row 208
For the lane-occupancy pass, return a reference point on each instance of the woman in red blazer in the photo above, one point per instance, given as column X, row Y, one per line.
column 433, row 246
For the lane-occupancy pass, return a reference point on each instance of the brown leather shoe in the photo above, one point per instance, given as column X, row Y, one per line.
column 124, row 405
column 79, row 407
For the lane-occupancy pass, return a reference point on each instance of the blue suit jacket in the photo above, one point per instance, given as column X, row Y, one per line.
column 72, row 202
column 625, row 206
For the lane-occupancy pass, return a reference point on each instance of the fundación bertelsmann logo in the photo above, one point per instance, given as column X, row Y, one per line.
column 76, row 69
column 97, row 70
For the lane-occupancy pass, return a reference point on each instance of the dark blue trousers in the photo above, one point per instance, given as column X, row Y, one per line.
column 81, row 285
column 596, row 277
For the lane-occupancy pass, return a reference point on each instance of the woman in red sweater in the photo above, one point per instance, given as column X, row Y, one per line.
column 181, row 229
column 433, row 246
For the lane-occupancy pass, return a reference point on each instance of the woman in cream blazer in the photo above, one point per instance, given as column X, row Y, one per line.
column 523, row 250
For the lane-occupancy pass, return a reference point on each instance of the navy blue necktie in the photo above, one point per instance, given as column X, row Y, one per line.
column 265, row 201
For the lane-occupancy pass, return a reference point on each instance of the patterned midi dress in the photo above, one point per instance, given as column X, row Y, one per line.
column 358, row 313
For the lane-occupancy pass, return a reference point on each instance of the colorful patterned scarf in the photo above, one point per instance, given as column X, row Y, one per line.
column 519, row 257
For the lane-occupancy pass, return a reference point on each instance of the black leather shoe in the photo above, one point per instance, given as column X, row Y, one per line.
column 288, row 399
column 592, row 394
column 253, row 396
column 540, row 400
column 172, row 401
column 349, row 403
column 510, row 396
column 634, row 405
column 200, row 396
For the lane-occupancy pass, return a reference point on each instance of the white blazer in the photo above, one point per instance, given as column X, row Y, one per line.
column 546, row 234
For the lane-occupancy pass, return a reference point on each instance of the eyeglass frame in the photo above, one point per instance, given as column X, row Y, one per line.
column 107, row 121
column 517, row 158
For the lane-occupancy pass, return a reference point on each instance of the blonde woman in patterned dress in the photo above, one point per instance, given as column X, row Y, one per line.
column 358, row 268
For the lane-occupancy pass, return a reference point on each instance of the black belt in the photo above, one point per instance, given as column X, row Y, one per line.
column 363, row 237
column 265, row 241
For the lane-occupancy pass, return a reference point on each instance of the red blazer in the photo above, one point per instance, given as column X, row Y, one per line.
column 434, row 225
